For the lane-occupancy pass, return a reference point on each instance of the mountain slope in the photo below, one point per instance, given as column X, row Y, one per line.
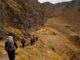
column 57, row 37
column 66, row 11
column 24, row 13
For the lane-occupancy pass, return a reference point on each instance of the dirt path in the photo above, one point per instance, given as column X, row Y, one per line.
column 4, row 57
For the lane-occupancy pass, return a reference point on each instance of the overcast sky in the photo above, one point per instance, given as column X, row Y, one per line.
column 53, row 1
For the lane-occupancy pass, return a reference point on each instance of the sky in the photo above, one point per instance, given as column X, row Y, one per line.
column 53, row 1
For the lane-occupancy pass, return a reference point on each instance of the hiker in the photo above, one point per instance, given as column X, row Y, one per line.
column 32, row 40
column 10, row 47
column 23, row 42
column 36, row 38
column 28, row 35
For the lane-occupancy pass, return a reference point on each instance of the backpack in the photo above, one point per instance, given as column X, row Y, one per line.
column 10, row 45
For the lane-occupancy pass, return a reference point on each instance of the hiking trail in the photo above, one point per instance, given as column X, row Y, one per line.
column 4, row 57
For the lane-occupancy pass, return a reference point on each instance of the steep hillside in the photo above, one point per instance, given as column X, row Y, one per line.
column 21, row 14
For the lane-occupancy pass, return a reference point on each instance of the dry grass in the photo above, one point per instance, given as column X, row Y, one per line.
column 15, row 31
column 51, row 44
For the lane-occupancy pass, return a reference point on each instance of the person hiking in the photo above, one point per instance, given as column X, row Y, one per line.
column 10, row 47
column 32, row 40
column 36, row 38
column 23, row 42
column 28, row 35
